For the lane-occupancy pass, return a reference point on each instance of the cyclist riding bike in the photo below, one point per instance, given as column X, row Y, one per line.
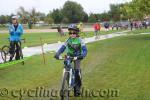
column 15, row 31
column 97, row 28
column 76, row 48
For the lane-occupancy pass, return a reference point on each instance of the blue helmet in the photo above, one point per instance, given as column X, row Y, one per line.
column 73, row 27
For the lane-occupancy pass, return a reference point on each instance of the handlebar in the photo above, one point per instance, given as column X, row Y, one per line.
column 66, row 57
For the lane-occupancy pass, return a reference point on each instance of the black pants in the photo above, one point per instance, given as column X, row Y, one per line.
column 15, row 47
column 78, row 83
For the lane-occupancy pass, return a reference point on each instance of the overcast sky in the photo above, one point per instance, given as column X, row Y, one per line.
column 96, row 6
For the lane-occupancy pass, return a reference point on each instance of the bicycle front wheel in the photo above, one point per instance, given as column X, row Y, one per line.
column 64, row 93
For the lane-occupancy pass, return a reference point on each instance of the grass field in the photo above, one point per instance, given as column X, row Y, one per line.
column 33, row 39
column 120, row 63
column 140, row 31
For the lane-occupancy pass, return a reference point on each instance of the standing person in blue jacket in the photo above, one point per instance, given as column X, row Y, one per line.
column 15, row 31
column 76, row 48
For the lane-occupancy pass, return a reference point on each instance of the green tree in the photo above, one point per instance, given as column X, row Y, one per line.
column 41, row 16
column 85, row 17
column 65, row 20
column 3, row 19
column 136, row 9
column 57, row 15
column 48, row 19
column 92, row 18
column 33, row 15
column 141, row 8
column 73, row 11
column 23, row 15
column 115, row 12
column 105, row 16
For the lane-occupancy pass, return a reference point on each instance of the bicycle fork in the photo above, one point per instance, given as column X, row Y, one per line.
column 71, row 78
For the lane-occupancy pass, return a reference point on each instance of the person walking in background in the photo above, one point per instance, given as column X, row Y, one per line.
column 131, row 25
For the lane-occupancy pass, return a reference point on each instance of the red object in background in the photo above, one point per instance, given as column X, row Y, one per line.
column 97, row 26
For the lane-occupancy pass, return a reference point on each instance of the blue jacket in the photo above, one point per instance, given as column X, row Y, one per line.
column 15, row 35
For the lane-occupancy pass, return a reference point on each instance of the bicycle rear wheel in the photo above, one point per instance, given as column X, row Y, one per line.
column 5, row 53
column 64, row 93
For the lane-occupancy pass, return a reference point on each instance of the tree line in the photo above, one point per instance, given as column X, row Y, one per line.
column 73, row 12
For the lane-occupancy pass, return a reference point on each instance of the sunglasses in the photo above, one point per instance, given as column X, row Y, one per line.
column 13, row 19
column 72, row 32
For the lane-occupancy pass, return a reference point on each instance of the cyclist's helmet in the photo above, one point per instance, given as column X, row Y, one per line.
column 73, row 27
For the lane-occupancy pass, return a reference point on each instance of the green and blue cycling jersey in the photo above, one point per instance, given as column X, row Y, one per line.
column 74, row 46
column 15, row 32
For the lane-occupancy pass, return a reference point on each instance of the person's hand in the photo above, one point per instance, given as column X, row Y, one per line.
column 60, row 57
column 11, row 33
column 18, row 32
column 75, row 58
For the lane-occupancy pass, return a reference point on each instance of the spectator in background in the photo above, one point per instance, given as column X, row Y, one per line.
column 115, row 25
column 144, row 24
column 136, row 25
column 80, row 27
column 15, row 32
column 147, row 23
column 140, row 25
column 60, row 31
column 106, row 25
column 131, row 25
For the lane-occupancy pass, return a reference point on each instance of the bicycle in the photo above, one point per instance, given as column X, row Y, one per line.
column 68, row 79
column 5, row 52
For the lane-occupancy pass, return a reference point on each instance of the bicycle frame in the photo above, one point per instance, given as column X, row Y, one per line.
column 66, row 85
column 68, row 68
